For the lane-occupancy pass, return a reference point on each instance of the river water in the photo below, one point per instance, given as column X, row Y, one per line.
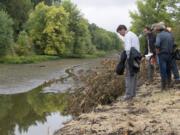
column 29, row 108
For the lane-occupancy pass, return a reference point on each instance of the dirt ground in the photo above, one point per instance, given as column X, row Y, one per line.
column 152, row 112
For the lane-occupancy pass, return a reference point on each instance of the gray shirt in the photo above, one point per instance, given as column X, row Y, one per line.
column 164, row 41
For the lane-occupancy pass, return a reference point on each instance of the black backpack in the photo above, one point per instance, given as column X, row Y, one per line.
column 177, row 54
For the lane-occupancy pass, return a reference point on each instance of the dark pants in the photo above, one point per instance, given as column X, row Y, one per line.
column 165, row 69
column 174, row 69
column 131, row 83
column 150, row 71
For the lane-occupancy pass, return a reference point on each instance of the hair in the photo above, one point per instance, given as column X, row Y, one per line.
column 148, row 28
column 121, row 27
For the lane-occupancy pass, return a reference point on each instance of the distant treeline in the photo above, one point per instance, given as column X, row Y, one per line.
column 50, row 27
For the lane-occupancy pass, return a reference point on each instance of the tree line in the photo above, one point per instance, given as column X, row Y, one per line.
column 50, row 27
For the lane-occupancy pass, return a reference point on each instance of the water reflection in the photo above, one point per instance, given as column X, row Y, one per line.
column 22, row 111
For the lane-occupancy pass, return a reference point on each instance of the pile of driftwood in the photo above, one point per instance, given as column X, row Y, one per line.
column 100, row 86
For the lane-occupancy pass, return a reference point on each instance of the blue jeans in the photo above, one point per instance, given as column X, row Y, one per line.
column 174, row 69
column 165, row 66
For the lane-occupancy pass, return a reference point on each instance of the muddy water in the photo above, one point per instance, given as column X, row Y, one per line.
column 29, row 108
column 25, row 77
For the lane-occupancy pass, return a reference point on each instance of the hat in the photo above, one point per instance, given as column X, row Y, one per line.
column 154, row 26
column 161, row 25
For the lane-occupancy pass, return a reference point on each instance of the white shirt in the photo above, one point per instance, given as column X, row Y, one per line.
column 131, row 40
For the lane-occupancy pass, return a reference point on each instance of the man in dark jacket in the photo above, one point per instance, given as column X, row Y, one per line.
column 150, row 48
column 164, row 45
column 174, row 66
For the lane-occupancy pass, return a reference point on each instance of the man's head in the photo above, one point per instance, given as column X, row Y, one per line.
column 147, row 30
column 121, row 30
column 169, row 29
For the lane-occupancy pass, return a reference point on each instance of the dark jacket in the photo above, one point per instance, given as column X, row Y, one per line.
column 121, row 65
column 150, row 44
column 134, row 61
column 165, row 42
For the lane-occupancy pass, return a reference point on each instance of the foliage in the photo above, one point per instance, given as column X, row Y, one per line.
column 104, row 40
column 176, row 32
column 142, row 41
column 150, row 12
column 19, row 11
column 35, row 27
column 48, row 2
column 6, row 33
column 78, row 26
column 47, row 27
column 56, row 30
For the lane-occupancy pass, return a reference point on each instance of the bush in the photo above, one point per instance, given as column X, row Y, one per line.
column 24, row 45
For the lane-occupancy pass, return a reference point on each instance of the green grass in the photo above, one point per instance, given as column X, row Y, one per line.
column 26, row 59
column 40, row 58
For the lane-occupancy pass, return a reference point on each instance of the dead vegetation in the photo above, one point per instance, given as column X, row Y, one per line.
column 152, row 112
column 101, row 86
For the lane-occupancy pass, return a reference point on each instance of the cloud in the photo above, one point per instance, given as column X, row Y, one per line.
column 107, row 14
column 104, row 3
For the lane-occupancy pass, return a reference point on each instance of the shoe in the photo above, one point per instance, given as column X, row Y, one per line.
column 163, row 85
column 169, row 83
column 127, row 98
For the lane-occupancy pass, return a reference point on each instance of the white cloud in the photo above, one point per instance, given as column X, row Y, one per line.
column 107, row 14
column 104, row 3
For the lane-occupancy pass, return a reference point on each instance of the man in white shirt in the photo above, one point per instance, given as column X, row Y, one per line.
column 130, row 40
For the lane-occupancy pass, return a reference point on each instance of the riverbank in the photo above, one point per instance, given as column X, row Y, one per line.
column 19, row 78
column 151, row 112
column 41, row 58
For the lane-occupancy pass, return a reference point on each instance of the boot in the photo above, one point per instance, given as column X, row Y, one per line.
column 169, row 83
column 163, row 84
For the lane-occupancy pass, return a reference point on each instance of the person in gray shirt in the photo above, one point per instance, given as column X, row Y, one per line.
column 164, row 48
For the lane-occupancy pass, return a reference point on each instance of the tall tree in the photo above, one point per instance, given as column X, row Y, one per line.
column 6, row 33
column 18, row 10
column 47, row 2
column 48, row 28
column 152, row 11
column 78, row 26
column 104, row 40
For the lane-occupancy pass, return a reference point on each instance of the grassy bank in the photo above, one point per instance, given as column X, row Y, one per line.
column 40, row 58
column 26, row 59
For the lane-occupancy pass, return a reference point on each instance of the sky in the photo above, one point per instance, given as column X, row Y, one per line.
column 107, row 14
